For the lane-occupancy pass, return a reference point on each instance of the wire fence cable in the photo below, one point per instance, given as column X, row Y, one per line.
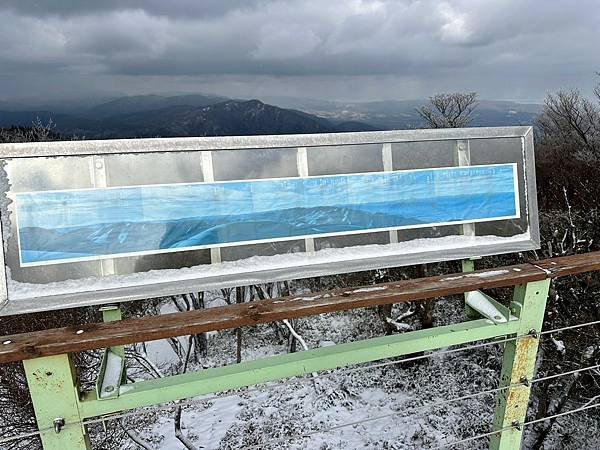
column 265, row 386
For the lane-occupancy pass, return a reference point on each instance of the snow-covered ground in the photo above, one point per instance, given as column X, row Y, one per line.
column 289, row 414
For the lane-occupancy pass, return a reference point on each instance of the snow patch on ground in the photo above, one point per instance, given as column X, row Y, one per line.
column 290, row 414
column 201, row 425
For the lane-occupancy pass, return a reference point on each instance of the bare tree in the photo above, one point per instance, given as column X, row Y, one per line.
column 571, row 123
column 449, row 110
column 568, row 147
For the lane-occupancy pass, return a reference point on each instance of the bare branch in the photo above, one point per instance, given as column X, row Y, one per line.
column 134, row 436
column 178, row 433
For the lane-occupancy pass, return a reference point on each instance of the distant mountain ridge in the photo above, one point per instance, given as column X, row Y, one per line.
column 228, row 118
column 211, row 115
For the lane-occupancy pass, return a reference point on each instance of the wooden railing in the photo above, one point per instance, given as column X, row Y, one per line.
column 107, row 334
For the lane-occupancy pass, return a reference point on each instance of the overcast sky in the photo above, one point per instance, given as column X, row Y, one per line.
column 331, row 49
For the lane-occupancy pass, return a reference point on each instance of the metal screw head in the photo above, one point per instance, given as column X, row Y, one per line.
column 109, row 388
column 533, row 333
column 59, row 422
column 99, row 165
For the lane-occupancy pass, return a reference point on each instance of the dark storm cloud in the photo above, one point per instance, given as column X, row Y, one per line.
column 504, row 48
column 176, row 8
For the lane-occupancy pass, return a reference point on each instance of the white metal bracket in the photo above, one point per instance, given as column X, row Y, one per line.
column 488, row 307
column 111, row 374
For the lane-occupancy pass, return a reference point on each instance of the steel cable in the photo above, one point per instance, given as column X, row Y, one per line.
column 196, row 401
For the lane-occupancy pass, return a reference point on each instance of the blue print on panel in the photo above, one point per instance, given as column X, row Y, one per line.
column 59, row 226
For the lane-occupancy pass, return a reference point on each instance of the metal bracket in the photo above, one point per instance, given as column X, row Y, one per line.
column 112, row 369
column 488, row 307
column 111, row 373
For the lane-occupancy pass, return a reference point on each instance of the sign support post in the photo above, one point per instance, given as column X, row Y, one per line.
column 518, row 365
column 55, row 395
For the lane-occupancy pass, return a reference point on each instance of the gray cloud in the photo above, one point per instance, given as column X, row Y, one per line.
column 171, row 8
column 355, row 49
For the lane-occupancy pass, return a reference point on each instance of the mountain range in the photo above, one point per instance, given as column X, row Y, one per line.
column 210, row 115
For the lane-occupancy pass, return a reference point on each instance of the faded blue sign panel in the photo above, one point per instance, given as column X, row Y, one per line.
column 87, row 224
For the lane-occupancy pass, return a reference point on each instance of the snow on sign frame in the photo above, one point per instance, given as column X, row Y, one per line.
column 93, row 222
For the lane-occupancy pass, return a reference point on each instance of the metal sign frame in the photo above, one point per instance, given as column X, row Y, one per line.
column 317, row 267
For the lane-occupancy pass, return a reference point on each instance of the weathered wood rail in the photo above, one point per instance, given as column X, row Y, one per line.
column 108, row 334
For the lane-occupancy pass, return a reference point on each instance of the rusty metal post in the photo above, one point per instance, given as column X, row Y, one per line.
column 518, row 365
column 54, row 393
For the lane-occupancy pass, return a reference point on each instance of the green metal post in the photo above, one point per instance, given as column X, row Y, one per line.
column 518, row 365
column 53, row 388
column 110, row 314
column 468, row 265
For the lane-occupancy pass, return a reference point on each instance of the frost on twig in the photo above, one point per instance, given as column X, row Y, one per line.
column 398, row 323
column 560, row 345
column 299, row 338
column 134, row 436
column 295, row 334
column 177, row 420
column 400, row 326
column 142, row 359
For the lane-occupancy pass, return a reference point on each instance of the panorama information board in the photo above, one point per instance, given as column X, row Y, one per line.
column 104, row 223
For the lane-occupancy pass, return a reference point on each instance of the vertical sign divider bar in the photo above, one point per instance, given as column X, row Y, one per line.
column 302, row 164
column 208, row 176
column 462, row 157
column 388, row 166
column 99, row 178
